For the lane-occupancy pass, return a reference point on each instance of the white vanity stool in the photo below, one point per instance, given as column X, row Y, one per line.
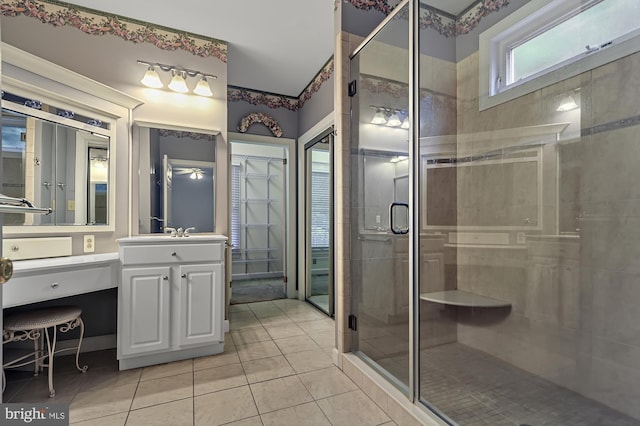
column 35, row 325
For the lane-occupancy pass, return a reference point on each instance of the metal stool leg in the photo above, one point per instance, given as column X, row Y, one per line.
column 51, row 347
column 84, row 368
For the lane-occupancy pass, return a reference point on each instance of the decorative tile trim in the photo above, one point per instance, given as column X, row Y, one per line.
column 273, row 100
column 258, row 117
column 191, row 135
column 99, row 23
column 441, row 21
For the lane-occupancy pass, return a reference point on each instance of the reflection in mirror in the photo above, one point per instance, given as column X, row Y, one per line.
column 385, row 181
column 54, row 165
column 184, row 184
column 180, row 189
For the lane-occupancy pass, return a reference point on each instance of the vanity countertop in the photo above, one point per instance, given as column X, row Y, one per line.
column 163, row 238
column 33, row 265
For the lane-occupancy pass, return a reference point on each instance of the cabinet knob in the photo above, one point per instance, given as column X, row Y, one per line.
column 15, row 248
column 54, row 285
column 173, row 253
column 184, row 275
column 164, row 277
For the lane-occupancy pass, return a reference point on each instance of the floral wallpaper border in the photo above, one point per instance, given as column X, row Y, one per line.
column 191, row 135
column 99, row 23
column 395, row 89
column 272, row 100
column 443, row 22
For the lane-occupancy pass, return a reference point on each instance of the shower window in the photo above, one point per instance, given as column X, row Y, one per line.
column 525, row 47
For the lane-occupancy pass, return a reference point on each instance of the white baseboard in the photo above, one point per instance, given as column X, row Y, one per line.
column 225, row 327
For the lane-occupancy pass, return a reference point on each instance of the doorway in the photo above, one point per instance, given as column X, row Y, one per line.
column 319, row 222
column 260, row 220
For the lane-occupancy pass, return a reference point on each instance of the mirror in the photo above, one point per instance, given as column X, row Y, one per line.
column 502, row 190
column 177, row 179
column 385, row 181
column 52, row 163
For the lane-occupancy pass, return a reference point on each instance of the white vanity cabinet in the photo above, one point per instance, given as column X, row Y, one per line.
column 171, row 298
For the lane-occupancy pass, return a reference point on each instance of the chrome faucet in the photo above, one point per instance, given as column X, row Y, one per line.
column 168, row 229
column 180, row 232
column 186, row 231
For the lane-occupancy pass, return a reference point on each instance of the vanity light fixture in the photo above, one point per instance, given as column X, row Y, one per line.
column 394, row 120
column 151, row 78
column 179, row 77
column 202, row 88
column 379, row 117
column 389, row 117
column 178, row 83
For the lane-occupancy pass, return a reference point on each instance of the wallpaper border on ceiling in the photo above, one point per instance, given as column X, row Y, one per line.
column 273, row 100
column 99, row 23
column 444, row 23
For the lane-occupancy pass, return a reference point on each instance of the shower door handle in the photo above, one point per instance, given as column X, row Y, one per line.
column 395, row 228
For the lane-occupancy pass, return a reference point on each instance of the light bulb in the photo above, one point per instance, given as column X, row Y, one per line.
column 202, row 88
column 405, row 123
column 151, row 78
column 394, row 120
column 378, row 117
column 178, row 83
column 193, row 175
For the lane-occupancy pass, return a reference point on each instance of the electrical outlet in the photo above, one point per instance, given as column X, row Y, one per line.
column 71, row 205
column 89, row 244
column 521, row 238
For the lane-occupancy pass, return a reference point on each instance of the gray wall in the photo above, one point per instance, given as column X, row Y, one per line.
column 317, row 107
column 288, row 120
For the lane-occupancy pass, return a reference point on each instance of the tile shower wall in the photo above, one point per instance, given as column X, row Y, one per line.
column 574, row 285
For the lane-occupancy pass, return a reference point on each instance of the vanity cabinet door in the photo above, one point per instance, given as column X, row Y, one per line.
column 145, row 309
column 200, row 304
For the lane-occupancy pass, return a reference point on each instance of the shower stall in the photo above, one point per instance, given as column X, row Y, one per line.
column 495, row 210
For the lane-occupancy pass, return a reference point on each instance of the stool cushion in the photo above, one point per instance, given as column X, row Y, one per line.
column 41, row 318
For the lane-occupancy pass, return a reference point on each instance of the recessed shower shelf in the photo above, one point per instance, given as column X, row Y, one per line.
column 463, row 298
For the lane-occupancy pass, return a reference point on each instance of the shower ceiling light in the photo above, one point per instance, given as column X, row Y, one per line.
column 178, row 83
column 379, row 117
column 567, row 104
column 151, row 78
column 202, row 88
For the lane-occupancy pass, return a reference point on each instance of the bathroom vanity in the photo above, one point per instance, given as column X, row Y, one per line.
column 171, row 298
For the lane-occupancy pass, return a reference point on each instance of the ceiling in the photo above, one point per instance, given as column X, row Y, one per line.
column 274, row 45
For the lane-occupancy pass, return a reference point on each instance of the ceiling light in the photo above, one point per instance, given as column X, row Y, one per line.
column 151, row 78
column 178, row 83
column 405, row 123
column 379, row 117
column 567, row 104
column 193, row 175
column 202, row 88
column 394, row 120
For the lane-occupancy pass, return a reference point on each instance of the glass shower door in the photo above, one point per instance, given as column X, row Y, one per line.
column 319, row 229
column 379, row 200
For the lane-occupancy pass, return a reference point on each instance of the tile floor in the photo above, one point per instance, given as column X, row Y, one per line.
column 276, row 370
